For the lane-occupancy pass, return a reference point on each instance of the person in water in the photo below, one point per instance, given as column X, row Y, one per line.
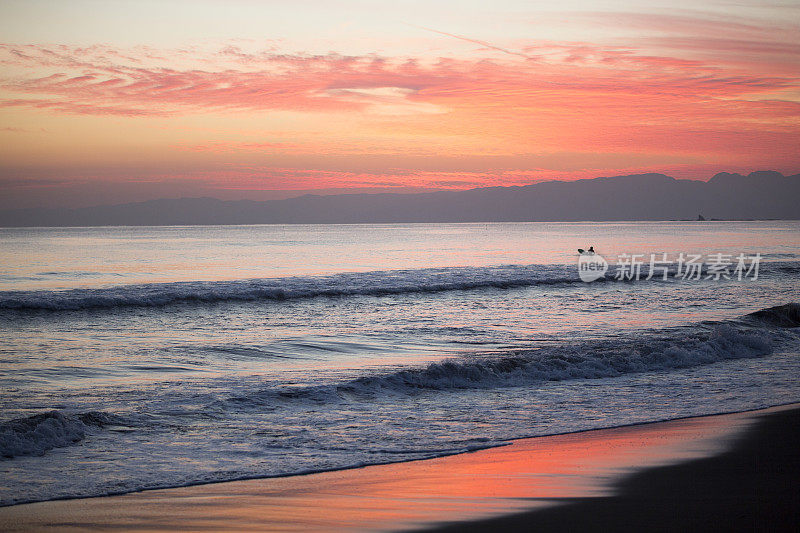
column 591, row 249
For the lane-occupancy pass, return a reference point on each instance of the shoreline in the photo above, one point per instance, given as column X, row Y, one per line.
column 508, row 442
column 500, row 483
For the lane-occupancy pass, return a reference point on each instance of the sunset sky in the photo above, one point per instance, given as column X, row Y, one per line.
column 110, row 101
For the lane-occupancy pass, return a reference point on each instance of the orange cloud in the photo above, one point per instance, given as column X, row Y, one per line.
column 683, row 97
column 321, row 82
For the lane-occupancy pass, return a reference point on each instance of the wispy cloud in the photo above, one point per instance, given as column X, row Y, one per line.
column 680, row 91
column 482, row 44
column 103, row 80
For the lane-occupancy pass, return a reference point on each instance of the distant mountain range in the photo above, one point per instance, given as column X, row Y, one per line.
column 759, row 195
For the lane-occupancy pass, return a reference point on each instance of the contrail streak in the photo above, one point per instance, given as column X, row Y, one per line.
column 475, row 41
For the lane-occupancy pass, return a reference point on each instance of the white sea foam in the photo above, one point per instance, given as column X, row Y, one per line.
column 39, row 433
column 376, row 283
column 221, row 380
column 373, row 283
column 584, row 361
column 674, row 349
column 447, row 407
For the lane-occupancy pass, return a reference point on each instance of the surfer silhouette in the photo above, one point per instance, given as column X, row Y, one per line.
column 590, row 251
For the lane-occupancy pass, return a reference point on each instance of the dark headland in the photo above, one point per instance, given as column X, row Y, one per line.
column 759, row 195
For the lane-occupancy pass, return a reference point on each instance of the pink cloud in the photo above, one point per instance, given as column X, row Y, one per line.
column 719, row 92
column 87, row 78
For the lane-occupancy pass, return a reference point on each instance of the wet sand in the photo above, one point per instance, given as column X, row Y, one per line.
column 727, row 472
column 754, row 486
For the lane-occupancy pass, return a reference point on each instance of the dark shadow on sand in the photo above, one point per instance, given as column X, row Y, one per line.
column 753, row 487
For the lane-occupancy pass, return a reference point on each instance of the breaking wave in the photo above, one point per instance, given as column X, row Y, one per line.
column 684, row 347
column 34, row 435
column 784, row 316
column 755, row 335
column 376, row 283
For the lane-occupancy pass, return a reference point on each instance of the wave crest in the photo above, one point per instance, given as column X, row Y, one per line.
column 36, row 434
column 599, row 359
column 785, row 316
column 376, row 283
column 685, row 347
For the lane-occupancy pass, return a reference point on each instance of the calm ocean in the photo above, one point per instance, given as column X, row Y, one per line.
column 144, row 357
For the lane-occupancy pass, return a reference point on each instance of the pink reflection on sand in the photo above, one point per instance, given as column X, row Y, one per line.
column 526, row 474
